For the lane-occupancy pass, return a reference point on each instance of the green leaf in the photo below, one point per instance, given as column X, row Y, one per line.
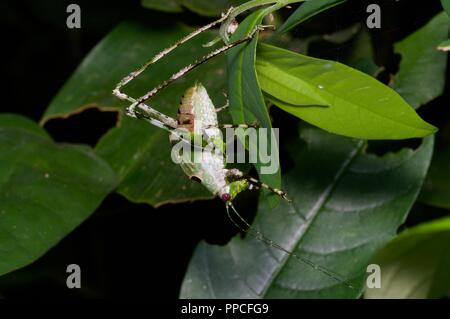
column 336, row 97
column 436, row 189
column 346, row 205
column 210, row 8
column 16, row 122
column 421, row 76
column 446, row 5
column 138, row 151
column 166, row 5
column 46, row 190
column 246, row 100
column 361, row 56
column 306, row 11
column 444, row 46
column 416, row 263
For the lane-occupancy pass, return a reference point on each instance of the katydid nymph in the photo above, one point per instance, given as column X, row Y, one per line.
column 197, row 117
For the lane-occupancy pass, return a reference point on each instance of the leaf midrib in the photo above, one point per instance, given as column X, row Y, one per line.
column 312, row 214
column 347, row 101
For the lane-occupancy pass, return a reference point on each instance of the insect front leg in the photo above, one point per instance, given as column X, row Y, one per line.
column 235, row 175
column 237, row 126
column 220, row 109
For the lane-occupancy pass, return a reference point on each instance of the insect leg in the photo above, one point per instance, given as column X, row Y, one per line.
column 167, row 128
column 192, row 66
column 227, row 104
column 235, row 174
column 220, row 109
column 117, row 91
column 234, row 126
column 156, row 123
column 145, row 111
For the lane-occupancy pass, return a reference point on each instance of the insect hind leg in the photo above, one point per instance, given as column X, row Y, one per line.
column 197, row 63
column 130, row 77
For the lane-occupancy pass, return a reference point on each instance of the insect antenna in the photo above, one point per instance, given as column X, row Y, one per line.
column 269, row 242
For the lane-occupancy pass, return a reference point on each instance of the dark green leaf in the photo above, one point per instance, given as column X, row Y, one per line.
column 46, row 190
column 446, row 5
column 421, row 76
column 16, row 122
column 416, row 263
column 306, row 11
column 246, row 100
column 166, row 5
column 210, row 8
column 436, row 190
column 346, row 205
column 139, row 152
column 361, row 56
column 336, row 97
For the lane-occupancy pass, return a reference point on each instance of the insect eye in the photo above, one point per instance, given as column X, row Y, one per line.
column 196, row 179
column 226, row 197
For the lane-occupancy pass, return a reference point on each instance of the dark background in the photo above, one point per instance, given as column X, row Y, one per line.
column 124, row 249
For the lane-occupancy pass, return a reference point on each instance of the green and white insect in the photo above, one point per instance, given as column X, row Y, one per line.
column 197, row 117
column 197, row 120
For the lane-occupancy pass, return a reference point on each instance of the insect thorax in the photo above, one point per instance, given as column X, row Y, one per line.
column 197, row 112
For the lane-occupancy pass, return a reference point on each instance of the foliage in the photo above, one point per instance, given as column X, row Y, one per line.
column 46, row 190
column 339, row 217
column 348, row 200
column 416, row 263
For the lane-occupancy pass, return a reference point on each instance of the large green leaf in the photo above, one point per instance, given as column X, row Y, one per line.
column 336, row 97
column 46, row 190
column 306, row 11
column 139, row 152
column 436, row 189
column 421, row 76
column 346, row 205
column 416, row 264
column 246, row 100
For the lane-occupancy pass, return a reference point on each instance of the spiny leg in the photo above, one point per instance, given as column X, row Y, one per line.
column 190, row 67
column 143, row 107
column 155, row 122
column 233, row 126
column 167, row 128
column 277, row 191
column 117, row 91
column 145, row 111
column 220, row 109
column 235, row 174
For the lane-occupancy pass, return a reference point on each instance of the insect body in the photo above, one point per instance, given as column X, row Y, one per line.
column 197, row 115
column 197, row 121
